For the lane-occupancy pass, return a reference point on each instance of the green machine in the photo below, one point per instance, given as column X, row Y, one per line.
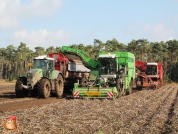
column 113, row 78
column 42, row 79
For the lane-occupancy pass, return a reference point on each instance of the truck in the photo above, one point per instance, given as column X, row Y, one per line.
column 150, row 75
column 113, row 78
column 51, row 73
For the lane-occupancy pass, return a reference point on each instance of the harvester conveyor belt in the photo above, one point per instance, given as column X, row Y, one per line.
column 89, row 62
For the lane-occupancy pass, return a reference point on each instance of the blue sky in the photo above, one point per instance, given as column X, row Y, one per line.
column 64, row 22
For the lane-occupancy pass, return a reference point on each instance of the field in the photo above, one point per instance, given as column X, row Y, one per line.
column 143, row 112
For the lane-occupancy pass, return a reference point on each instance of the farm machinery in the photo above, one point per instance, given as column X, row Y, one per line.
column 150, row 75
column 50, row 74
column 115, row 76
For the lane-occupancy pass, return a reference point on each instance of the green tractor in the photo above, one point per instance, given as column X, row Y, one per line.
column 113, row 78
column 41, row 80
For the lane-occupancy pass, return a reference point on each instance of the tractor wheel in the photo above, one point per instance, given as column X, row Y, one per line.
column 59, row 86
column 119, row 87
column 44, row 88
column 21, row 92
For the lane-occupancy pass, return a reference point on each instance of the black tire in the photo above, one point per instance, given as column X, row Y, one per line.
column 44, row 88
column 59, row 86
column 19, row 91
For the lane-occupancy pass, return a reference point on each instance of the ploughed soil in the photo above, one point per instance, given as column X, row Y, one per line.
column 145, row 111
column 9, row 102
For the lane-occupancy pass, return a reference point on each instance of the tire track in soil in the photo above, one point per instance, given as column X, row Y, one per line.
column 24, row 104
column 9, row 102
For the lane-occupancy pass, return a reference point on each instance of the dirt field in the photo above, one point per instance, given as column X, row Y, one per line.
column 146, row 111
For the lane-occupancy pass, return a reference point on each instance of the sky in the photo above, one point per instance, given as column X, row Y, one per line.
column 56, row 23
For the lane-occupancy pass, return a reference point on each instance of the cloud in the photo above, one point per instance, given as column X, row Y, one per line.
column 8, row 14
column 157, row 32
column 41, row 38
column 11, row 10
column 42, row 8
column 7, row 23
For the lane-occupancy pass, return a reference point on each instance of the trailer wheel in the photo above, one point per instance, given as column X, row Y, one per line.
column 59, row 86
column 44, row 88
column 21, row 92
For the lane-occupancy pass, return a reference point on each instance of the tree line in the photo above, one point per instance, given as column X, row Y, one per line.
column 12, row 58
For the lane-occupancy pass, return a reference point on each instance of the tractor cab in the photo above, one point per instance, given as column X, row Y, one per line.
column 42, row 66
column 108, row 65
column 107, row 68
column 44, row 63
column 151, row 68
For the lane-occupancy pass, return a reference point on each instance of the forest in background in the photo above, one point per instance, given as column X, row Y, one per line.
column 12, row 58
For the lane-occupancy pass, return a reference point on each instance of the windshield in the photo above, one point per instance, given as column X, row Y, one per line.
column 39, row 63
column 151, row 70
column 107, row 66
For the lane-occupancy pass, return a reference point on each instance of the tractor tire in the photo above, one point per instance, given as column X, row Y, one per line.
column 19, row 91
column 59, row 86
column 44, row 88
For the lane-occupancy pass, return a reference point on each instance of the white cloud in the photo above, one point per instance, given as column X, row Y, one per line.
column 42, row 8
column 41, row 38
column 8, row 23
column 8, row 13
column 157, row 32
column 11, row 10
